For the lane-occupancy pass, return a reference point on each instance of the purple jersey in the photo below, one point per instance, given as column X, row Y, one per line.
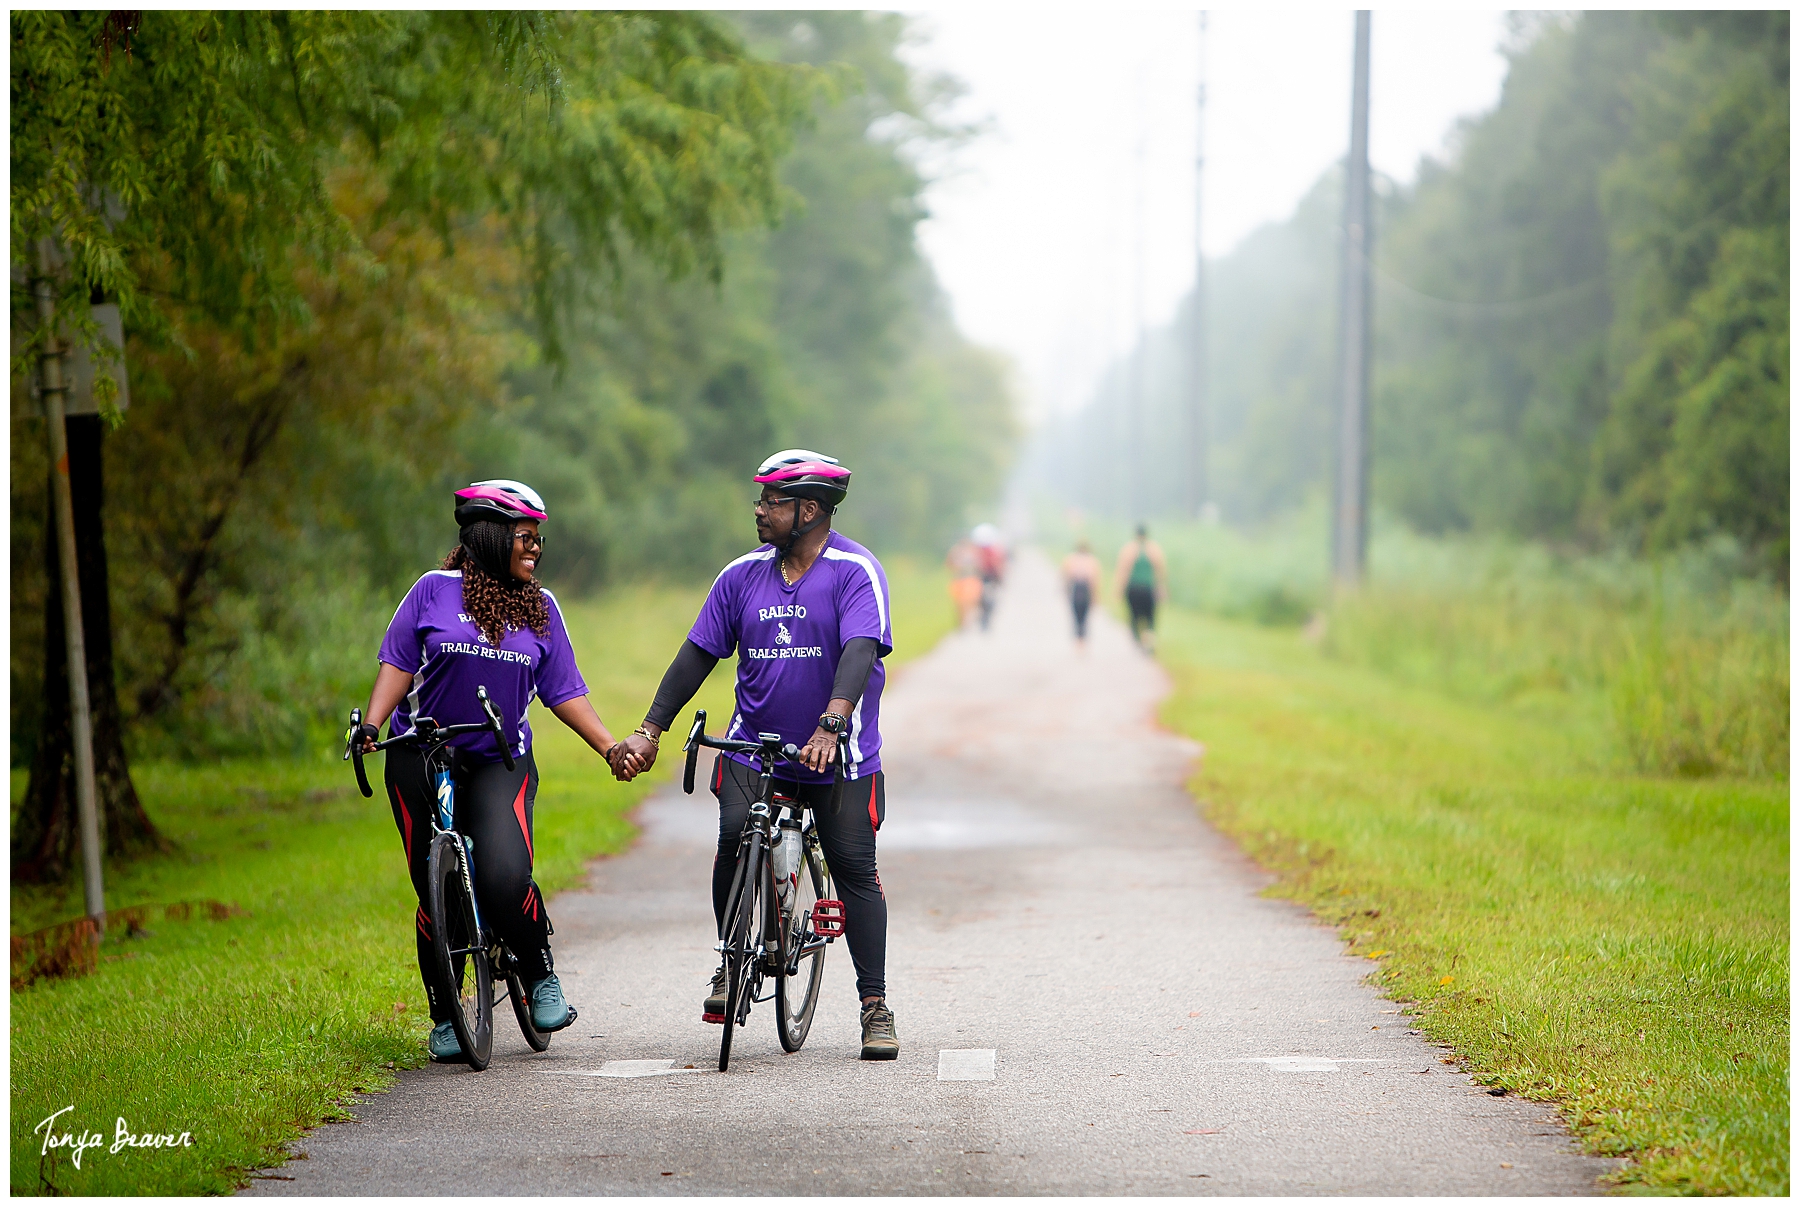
column 433, row 639
column 789, row 640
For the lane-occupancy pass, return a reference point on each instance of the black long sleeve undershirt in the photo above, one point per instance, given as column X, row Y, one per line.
column 854, row 665
column 692, row 665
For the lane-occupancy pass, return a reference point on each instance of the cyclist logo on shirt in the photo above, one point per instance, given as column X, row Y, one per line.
column 783, row 637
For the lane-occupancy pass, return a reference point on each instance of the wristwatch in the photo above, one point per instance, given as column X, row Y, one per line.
column 833, row 723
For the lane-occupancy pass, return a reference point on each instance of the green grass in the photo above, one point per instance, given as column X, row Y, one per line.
column 246, row 1031
column 1687, row 655
column 1612, row 942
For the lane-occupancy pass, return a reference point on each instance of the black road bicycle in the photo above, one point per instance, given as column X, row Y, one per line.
column 466, row 952
column 781, row 913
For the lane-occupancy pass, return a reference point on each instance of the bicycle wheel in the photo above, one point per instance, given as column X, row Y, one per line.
column 461, row 956
column 797, row 992
column 515, row 989
column 741, row 944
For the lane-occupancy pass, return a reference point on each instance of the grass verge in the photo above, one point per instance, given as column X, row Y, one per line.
column 1614, row 943
column 247, row 1031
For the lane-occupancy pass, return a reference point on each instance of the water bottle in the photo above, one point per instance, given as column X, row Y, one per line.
column 787, row 866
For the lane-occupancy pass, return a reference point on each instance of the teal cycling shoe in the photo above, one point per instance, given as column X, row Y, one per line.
column 549, row 1012
column 443, row 1044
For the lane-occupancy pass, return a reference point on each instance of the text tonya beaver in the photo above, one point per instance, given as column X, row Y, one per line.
column 123, row 1138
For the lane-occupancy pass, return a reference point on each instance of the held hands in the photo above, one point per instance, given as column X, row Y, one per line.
column 631, row 757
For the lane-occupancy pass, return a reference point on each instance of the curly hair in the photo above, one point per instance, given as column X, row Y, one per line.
column 496, row 604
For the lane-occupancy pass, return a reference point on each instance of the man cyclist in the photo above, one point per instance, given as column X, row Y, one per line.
column 808, row 613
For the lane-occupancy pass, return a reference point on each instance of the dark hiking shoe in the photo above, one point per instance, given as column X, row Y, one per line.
column 879, row 1040
column 443, row 1045
column 714, row 1009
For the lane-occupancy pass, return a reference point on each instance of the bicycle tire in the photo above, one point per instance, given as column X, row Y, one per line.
column 797, row 992
column 515, row 989
column 740, row 956
column 468, row 978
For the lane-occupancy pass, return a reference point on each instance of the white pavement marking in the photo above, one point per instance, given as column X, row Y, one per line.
column 966, row 1064
column 1303, row 1064
column 626, row 1068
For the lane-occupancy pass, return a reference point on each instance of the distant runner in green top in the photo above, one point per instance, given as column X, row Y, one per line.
column 1142, row 579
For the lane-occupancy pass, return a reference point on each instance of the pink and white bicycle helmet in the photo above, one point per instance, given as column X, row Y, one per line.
column 806, row 475
column 501, row 500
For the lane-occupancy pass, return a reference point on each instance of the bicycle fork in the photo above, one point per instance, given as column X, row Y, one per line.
column 446, row 822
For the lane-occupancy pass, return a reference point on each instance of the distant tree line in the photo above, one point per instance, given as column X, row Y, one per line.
column 1581, row 313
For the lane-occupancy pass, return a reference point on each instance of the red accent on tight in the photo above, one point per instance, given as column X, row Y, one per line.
column 874, row 819
column 529, row 905
column 718, row 773
column 519, row 812
column 405, row 825
column 422, row 922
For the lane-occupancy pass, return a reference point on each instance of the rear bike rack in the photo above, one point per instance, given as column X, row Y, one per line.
column 828, row 917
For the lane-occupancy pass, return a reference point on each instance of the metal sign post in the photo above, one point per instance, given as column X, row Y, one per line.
column 81, row 721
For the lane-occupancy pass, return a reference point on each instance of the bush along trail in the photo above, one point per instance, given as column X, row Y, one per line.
column 1578, row 932
column 244, row 1030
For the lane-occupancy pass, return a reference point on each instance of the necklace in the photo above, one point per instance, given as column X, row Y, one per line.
column 781, row 565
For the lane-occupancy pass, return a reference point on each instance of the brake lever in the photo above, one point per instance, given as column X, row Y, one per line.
column 693, row 751
column 837, row 778
column 493, row 716
column 353, row 752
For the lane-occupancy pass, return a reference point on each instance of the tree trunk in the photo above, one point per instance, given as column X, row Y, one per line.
column 44, row 835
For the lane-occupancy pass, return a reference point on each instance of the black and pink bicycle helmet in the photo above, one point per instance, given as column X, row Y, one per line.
column 501, row 500
column 804, row 474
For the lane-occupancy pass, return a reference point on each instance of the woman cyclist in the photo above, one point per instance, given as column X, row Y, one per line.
column 482, row 620
column 1143, row 579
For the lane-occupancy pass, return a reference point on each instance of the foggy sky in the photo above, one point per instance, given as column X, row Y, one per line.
column 1035, row 231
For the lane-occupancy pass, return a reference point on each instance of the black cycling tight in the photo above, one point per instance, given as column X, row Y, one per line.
column 848, row 840
column 493, row 807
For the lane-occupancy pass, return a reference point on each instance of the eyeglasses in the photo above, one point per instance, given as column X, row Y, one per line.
column 529, row 539
column 776, row 501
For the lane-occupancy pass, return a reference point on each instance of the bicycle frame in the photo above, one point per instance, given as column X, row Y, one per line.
column 434, row 739
column 775, row 943
column 489, row 953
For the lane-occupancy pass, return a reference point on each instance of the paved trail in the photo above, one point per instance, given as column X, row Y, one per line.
column 1156, row 1027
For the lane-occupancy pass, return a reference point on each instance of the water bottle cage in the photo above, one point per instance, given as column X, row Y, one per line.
column 828, row 918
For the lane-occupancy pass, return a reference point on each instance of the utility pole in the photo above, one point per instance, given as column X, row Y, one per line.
column 81, row 722
column 1140, row 353
column 1350, row 519
column 1198, row 490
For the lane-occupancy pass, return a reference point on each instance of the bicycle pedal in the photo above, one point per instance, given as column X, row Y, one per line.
column 706, row 1017
column 828, row 917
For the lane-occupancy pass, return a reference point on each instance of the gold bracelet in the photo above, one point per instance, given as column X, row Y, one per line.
column 654, row 738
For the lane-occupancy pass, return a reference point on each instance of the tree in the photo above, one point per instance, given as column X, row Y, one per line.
column 1696, row 442
column 184, row 163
